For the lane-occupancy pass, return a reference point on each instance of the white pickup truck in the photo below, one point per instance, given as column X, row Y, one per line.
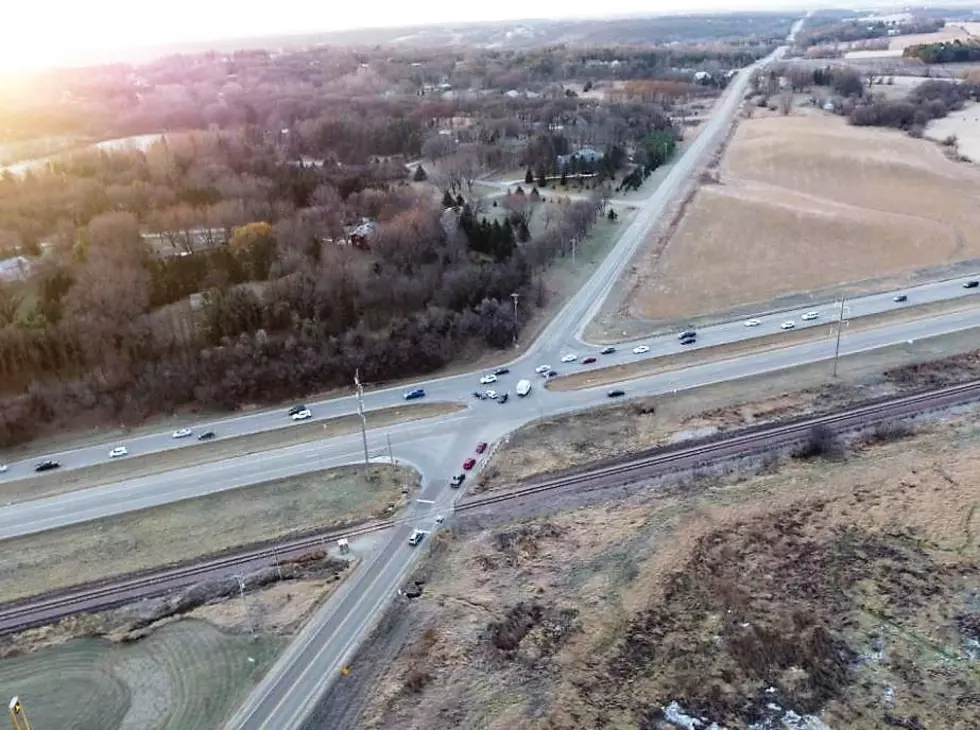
column 523, row 388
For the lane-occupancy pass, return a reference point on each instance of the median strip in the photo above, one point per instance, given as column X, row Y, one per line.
column 765, row 343
column 137, row 466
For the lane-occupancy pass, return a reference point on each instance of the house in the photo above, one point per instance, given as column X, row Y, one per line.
column 360, row 235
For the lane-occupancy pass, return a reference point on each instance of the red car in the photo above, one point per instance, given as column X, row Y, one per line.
column 481, row 447
column 588, row 361
column 469, row 463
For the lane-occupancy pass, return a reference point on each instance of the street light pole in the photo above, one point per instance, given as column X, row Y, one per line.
column 840, row 326
column 360, row 409
column 515, row 296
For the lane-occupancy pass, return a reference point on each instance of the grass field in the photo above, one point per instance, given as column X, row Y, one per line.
column 185, row 676
column 844, row 590
column 807, row 202
column 195, row 527
column 136, row 466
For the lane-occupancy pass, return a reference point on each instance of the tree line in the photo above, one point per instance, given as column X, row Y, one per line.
column 955, row 51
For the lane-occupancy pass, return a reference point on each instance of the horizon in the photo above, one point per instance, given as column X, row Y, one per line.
column 104, row 30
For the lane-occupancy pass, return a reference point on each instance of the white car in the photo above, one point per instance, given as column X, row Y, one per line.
column 302, row 415
column 181, row 434
column 3, row 468
column 487, row 379
column 542, row 369
column 787, row 325
column 752, row 322
column 809, row 316
column 491, row 394
column 569, row 358
column 640, row 349
column 118, row 451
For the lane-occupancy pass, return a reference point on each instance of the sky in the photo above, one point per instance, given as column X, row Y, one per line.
column 40, row 33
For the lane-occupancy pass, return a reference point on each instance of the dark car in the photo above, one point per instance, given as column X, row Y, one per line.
column 413, row 394
column 607, row 350
column 501, row 371
column 588, row 360
column 689, row 340
column 206, row 436
column 616, row 393
column 47, row 465
column 478, row 395
column 552, row 373
column 457, row 480
column 481, row 447
column 971, row 284
column 503, row 398
column 901, row 298
column 686, row 334
column 296, row 409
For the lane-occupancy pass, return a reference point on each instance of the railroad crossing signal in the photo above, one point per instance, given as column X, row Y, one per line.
column 18, row 715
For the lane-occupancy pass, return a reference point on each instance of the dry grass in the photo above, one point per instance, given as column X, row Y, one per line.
column 570, row 440
column 189, row 529
column 808, row 202
column 847, row 588
column 135, row 467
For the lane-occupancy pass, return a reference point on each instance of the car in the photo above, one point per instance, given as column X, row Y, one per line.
column 414, row 394
column 810, row 316
column 588, row 360
column 491, row 394
column 481, row 447
column 689, row 340
column 687, row 334
column 118, row 451
column 503, row 398
column 616, row 393
column 457, row 480
column 206, row 436
column 570, row 357
column 469, row 463
column 181, row 433
column 971, row 284
column 787, row 325
column 640, row 350
column 416, row 537
column 46, row 465
column 900, row 298
column 478, row 395
column 302, row 415
column 542, row 369
column 752, row 322
column 607, row 350
column 439, row 519
column 487, row 379
column 552, row 374
column 3, row 468
column 501, row 371
column 297, row 409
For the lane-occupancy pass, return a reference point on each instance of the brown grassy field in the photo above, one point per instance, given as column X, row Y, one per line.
column 808, row 202
column 841, row 590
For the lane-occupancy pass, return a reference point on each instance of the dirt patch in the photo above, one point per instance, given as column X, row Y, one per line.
column 570, row 440
column 140, row 466
column 781, row 207
column 843, row 591
column 205, row 525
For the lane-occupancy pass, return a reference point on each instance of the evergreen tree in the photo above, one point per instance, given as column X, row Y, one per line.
column 460, row 201
column 447, row 200
column 420, row 174
column 529, row 177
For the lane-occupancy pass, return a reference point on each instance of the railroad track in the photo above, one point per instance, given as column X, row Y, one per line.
column 54, row 606
column 764, row 438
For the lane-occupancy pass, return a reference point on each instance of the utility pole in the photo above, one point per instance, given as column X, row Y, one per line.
column 241, row 592
column 515, row 296
column 391, row 454
column 840, row 326
column 360, row 410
